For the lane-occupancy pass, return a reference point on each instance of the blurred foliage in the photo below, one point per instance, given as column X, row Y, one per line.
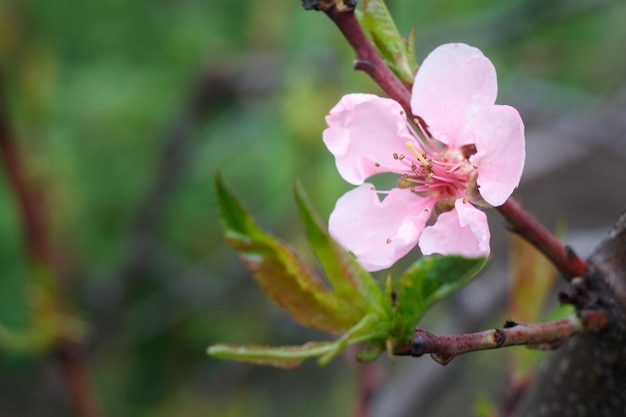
column 96, row 90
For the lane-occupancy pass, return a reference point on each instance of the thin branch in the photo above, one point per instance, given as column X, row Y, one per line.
column 367, row 59
column 444, row 348
column 522, row 223
column 39, row 249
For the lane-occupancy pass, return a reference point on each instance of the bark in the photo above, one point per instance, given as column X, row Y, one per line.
column 587, row 375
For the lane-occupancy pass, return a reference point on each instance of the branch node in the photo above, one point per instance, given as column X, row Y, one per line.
column 442, row 359
column 418, row 344
column 594, row 320
column 510, row 323
column 363, row 64
column 499, row 337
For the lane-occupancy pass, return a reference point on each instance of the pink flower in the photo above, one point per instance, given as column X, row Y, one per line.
column 470, row 154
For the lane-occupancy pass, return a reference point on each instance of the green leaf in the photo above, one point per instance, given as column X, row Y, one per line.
column 369, row 329
column 279, row 272
column 398, row 53
column 426, row 282
column 350, row 282
column 281, row 357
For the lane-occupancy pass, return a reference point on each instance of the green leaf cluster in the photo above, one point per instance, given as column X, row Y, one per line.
column 397, row 52
column 350, row 302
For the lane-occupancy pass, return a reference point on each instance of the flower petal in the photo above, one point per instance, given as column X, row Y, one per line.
column 500, row 144
column 365, row 130
column 378, row 232
column 461, row 231
column 452, row 79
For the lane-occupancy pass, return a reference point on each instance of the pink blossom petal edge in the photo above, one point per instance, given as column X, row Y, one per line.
column 378, row 232
column 461, row 231
column 453, row 79
column 363, row 130
column 500, row 143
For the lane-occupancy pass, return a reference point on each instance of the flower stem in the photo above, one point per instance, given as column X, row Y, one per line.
column 549, row 335
column 368, row 59
column 522, row 223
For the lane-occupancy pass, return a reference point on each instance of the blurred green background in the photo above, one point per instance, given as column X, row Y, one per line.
column 123, row 111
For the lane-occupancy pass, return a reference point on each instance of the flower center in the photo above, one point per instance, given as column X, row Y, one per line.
column 434, row 169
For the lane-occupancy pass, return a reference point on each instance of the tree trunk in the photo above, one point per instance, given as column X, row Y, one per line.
column 587, row 375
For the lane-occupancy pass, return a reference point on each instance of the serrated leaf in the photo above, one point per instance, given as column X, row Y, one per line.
column 350, row 282
column 281, row 356
column 427, row 281
column 397, row 52
column 279, row 271
column 369, row 330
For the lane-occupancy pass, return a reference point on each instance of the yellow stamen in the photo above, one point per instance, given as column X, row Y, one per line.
column 418, row 155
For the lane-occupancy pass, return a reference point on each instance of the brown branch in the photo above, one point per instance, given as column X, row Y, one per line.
column 368, row 59
column 522, row 223
column 588, row 376
column 33, row 219
column 444, row 348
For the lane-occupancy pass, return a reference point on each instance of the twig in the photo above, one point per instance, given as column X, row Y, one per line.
column 368, row 59
column 444, row 348
column 39, row 249
column 522, row 223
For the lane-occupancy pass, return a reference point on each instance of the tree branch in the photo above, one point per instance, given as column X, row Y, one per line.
column 588, row 376
column 368, row 59
column 444, row 348
column 522, row 223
